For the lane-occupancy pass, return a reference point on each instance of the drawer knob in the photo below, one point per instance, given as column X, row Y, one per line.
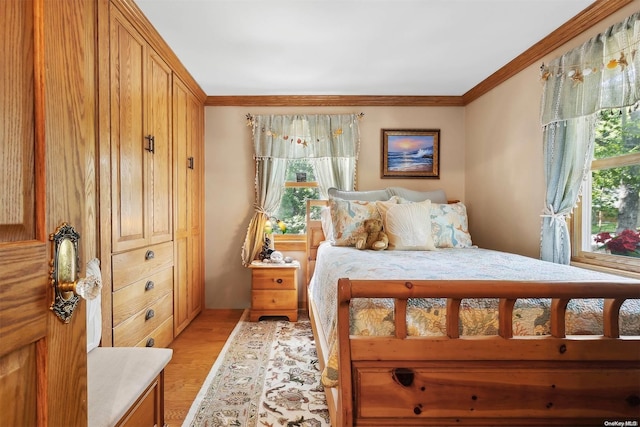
column 149, row 285
column 279, row 280
column 150, row 342
column 149, row 315
column 149, row 255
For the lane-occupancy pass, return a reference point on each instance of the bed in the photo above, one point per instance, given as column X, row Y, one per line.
column 462, row 342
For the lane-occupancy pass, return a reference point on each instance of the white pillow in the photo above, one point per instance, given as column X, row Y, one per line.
column 408, row 225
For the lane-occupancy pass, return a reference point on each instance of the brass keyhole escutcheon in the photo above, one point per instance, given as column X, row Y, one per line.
column 64, row 271
column 67, row 286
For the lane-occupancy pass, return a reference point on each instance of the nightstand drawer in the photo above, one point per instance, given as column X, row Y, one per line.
column 274, row 278
column 274, row 300
column 130, row 332
column 131, row 299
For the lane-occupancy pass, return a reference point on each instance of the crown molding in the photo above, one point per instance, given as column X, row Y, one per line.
column 333, row 101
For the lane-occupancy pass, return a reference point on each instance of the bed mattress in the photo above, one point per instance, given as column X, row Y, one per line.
column 427, row 317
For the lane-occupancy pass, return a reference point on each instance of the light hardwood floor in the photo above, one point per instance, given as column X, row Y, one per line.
column 194, row 352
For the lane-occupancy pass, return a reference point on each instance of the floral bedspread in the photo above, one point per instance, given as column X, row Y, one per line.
column 426, row 317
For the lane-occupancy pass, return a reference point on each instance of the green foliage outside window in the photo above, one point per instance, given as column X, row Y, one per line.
column 292, row 208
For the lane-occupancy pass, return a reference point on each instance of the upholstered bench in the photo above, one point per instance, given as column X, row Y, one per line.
column 126, row 386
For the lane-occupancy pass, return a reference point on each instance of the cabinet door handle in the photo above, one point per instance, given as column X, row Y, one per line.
column 149, row 255
column 150, row 285
column 151, row 146
column 149, row 315
column 150, row 342
column 279, row 281
column 190, row 163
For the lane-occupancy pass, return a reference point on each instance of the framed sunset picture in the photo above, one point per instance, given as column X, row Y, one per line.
column 410, row 153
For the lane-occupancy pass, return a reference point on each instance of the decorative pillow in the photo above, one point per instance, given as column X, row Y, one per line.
column 369, row 196
column 449, row 225
column 407, row 225
column 347, row 217
column 436, row 196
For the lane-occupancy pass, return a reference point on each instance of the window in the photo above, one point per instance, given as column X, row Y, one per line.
column 606, row 224
column 300, row 184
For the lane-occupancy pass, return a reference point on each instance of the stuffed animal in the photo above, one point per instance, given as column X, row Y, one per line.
column 372, row 237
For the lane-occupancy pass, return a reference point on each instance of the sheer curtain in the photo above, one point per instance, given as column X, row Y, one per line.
column 600, row 74
column 330, row 141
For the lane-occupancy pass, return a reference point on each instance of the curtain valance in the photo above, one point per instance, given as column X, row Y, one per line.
column 305, row 136
column 601, row 73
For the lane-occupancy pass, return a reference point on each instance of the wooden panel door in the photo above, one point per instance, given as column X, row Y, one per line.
column 196, row 206
column 47, row 143
column 141, row 171
column 187, row 115
column 23, row 240
column 158, row 125
column 181, row 150
column 128, row 146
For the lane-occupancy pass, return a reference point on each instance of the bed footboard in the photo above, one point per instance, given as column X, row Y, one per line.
column 488, row 380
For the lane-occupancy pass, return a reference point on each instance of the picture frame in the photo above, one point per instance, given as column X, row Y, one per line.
column 410, row 153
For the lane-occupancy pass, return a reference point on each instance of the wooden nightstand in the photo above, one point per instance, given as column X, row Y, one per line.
column 274, row 290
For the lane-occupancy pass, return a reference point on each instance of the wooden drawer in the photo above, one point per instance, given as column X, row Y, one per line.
column 131, row 331
column 129, row 267
column 274, row 278
column 131, row 299
column 159, row 337
column 274, row 300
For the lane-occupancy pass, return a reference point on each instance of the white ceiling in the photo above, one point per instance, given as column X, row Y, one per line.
column 351, row 47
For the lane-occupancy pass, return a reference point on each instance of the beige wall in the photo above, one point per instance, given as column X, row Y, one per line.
column 491, row 159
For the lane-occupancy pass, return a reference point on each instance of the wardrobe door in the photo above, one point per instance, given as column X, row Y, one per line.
column 187, row 116
column 141, row 154
column 182, row 188
column 129, row 149
column 158, row 128
column 196, row 206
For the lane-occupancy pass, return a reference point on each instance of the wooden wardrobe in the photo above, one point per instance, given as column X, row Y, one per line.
column 151, row 182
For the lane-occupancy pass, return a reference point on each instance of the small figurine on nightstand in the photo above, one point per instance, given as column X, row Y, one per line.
column 266, row 249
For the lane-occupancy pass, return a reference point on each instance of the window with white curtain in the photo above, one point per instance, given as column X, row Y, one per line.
column 319, row 150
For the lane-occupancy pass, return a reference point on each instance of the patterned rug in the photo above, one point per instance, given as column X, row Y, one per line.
column 266, row 375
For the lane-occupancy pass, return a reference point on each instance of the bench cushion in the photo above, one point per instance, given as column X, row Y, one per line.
column 117, row 376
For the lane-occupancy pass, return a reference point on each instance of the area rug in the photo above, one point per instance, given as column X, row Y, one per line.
column 267, row 374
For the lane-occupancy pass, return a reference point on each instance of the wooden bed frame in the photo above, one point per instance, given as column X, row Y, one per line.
column 488, row 380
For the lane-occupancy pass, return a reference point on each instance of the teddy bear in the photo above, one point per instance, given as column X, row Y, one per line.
column 372, row 237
